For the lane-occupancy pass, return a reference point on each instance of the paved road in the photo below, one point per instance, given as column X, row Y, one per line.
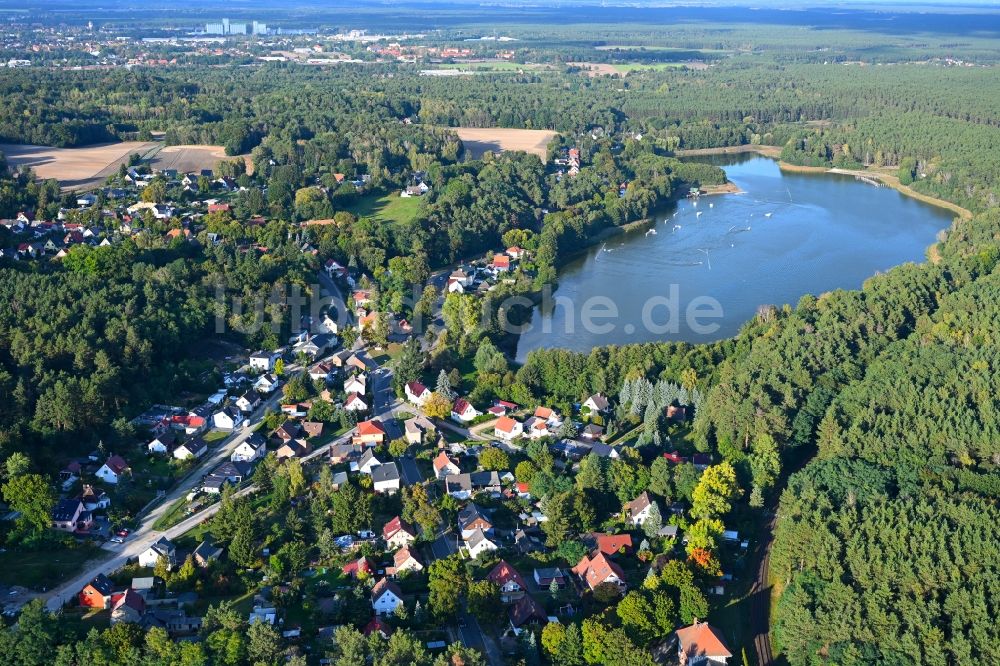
column 760, row 601
column 145, row 535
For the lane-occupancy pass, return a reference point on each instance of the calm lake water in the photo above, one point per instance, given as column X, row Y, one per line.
column 786, row 235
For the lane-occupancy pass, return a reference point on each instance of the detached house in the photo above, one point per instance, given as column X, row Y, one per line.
column 398, row 533
column 701, row 644
column 227, row 418
column 161, row 548
column 385, row 479
column 599, row 569
column 96, row 593
column 507, row 429
column 193, row 448
column 263, row 361
column 417, row 393
column 66, row 514
column 404, row 560
column 163, row 443
column 129, row 607
column 356, row 384
column 525, row 611
column 638, row 510
column 249, row 450
column 597, row 404
column 247, row 402
column 266, row 383
column 354, row 403
column 463, row 412
column 369, row 433
column 509, row 580
column 417, row 428
column 113, row 470
column 472, row 518
column 444, row 466
column 386, row 597
column 479, row 543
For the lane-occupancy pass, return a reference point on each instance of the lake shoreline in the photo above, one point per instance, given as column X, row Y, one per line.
column 774, row 152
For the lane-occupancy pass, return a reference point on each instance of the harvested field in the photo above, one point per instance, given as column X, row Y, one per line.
column 192, row 158
column 75, row 168
column 482, row 139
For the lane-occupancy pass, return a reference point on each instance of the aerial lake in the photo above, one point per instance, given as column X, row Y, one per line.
column 713, row 261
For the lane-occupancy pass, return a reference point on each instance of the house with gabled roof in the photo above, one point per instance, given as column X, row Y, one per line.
column 385, row 479
column 463, row 412
column 252, row 448
column 369, row 433
column 509, row 581
column 355, row 403
column 96, row 593
column 596, row 404
column 525, row 611
column 129, row 607
column 113, row 470
column 701, row 644
column 610, row 544
column 478, row 543
column 359, row 567
column 471, row 518
column 416, row 429
column 596, row 570
column 193, row 448
column 162, row 547
column 417, row 393
column 386, row 597
column 444, row 466
column 397, row 533
column 638, row 510
column 507, row 429
column 163, row 442
column 66, row 514
column 404, row 560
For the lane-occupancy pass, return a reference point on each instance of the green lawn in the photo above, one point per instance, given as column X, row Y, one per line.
column 391, row 207
column 216, row 435
column 171, row 516
column 44, row 568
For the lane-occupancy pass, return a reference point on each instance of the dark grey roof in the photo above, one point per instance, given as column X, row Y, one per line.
column 387, row 472
column 66, row 510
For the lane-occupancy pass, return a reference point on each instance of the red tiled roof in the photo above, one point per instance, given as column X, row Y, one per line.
column 505, row 424
column 370, row 428
column 611, row 544
column 395, row 525
column 504, row 573
column 597, row 570
column 702, row 639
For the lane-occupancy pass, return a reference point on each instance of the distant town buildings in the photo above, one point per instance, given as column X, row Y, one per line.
column 226, row 27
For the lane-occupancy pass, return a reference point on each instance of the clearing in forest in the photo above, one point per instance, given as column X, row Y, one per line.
column 482, row 139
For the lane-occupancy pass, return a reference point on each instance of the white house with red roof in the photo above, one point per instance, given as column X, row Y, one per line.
column 599, row 569
column 701, row 644
column 398, row 533
column 354, row 403
column 507, row 429
column 463, row 412
column 404, row 560
column 515, row 252
column 417, row 393
column 536, row 428
column 509, row 580
column 445, row 466
column 113, row 470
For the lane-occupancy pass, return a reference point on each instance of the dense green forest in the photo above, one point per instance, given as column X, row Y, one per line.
column 890, row 531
